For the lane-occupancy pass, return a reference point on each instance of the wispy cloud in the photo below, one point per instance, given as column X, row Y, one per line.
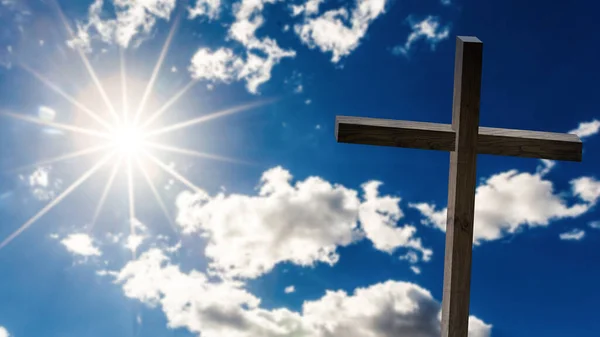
column 587, row 129
column 205, row 8
column 428, row 29
column 573, row 235
column 289, row 289
column 41, row 185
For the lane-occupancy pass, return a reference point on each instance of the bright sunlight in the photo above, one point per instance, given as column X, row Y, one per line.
column 124, row 137
column 129, row 140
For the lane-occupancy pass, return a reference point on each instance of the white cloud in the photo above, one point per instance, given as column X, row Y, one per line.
column 308, row 101
column 39, row 177
column 41, row 186
column 428, row 29
column 587, row 189
column 594, row 224
column 208, row 8
column 415, row 269
column 133, row 18
column 573, row 235
column 289, row 289
column 4, row 332
column 379, row 215
column 298, row 89
column 586, row 129
column 478, row 328
column 80, row 244
column 338, row 31
column 224, row 308
column 446, row 2
column 410, row 256
column 511, row 200
column 46, row 114
column 545, row 167
column 302, row 223
column 137, row 237
column 261, row 54
column 219, row 65
column 310, row 7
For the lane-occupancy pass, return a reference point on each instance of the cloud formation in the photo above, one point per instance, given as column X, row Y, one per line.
column 573, row 235
column 205, row 8
column 133, row 19
column 509, row 201
column 429, row 29
column 40, row 184
column 337, row 31
column 4, row 332
column 587, row 129
column 302, row 223
column 81, row 244
column 224, row 308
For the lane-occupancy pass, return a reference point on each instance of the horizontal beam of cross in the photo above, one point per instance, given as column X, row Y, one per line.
column 433, row 136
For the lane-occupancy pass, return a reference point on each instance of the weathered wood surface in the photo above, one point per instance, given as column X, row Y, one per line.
column 461, row 188
column 435, row 136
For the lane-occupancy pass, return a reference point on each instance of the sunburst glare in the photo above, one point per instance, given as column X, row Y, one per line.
column 126, row 133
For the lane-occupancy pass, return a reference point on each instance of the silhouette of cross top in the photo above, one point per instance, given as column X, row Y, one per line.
column 464, row 138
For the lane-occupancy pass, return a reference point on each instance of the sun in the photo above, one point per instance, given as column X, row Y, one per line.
column 129, row 140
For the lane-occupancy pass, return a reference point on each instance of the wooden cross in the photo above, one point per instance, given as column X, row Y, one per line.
column 464, row 139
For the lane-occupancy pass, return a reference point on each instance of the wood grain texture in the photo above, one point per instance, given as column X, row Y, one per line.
column 434, row 136
column 461, row 189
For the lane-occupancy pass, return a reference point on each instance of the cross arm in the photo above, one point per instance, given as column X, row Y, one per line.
column 434, row 136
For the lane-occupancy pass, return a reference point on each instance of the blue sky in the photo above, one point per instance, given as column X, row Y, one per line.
column 218, row 203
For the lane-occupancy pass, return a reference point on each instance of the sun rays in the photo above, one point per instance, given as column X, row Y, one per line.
column 125, row 139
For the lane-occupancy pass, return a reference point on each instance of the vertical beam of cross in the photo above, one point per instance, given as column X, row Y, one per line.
column 461, row 188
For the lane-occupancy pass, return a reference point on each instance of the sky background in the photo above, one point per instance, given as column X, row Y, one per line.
column 265, row 225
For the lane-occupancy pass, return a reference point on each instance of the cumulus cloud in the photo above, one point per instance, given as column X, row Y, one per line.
column 208, row 8
column 132, row 19
column 4, row 332
column 587, row 129
column 289, row 289
column 80, row 244
column 587, row 189
column 338, row 31
column 478, row 328
column 302, row 223
column 573, row 235
column 224, row 308
column 428, row 29
column 594, row 224
column 261, row 54
column 508, row 201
